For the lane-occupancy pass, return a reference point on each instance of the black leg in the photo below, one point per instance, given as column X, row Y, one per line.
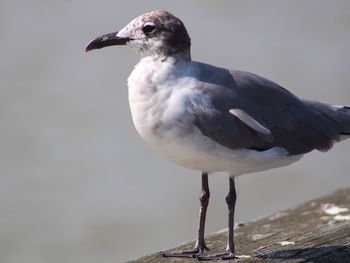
column 231, row 203
column 200, row 243
column 230, row 249
column 204, row 201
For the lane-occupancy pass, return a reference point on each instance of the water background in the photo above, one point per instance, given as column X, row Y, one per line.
column 78, row 185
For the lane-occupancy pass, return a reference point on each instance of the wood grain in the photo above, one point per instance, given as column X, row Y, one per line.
column 317, row 231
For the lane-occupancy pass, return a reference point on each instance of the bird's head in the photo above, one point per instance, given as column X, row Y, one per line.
column 158, row 33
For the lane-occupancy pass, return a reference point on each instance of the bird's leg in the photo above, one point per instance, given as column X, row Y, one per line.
column 231, row 203
column 200, row 243
column 204, row 201
column 230, row 249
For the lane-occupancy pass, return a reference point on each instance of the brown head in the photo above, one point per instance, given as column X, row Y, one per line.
column 158, row 33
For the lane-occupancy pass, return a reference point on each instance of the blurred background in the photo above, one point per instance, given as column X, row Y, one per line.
column 77, row 184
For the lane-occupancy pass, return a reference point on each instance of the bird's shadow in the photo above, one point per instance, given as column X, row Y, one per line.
column 315, row 255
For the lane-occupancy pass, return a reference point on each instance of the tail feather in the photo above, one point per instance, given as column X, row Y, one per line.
column 337, row 113
column 343, row 116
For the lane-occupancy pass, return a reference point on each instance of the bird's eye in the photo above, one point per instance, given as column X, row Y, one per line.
column 148, row 28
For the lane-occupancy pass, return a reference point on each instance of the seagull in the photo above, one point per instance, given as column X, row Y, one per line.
column 212, row 119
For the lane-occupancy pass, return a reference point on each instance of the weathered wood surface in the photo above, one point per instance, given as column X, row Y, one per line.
column 317, row 231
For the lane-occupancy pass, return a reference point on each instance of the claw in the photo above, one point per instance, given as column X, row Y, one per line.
column 195, row 253
column 220, row 256
column 183, row 254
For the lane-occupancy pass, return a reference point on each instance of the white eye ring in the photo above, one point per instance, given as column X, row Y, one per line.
column 148, row 27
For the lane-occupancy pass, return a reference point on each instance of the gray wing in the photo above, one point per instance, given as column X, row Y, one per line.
column 249, row 111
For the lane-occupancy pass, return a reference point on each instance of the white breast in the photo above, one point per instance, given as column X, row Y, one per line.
column 158, row 94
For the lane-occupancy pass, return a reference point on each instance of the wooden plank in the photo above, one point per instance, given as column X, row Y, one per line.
column 317, row 231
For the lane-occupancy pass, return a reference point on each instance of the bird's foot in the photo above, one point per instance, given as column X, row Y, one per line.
column 195, row 253
column 220, row 256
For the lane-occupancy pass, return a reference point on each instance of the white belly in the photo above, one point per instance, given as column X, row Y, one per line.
column 193, row 150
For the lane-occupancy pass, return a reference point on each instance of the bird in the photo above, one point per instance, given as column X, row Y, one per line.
column 212, row 119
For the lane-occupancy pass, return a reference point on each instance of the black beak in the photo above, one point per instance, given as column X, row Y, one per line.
column 110, row 39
